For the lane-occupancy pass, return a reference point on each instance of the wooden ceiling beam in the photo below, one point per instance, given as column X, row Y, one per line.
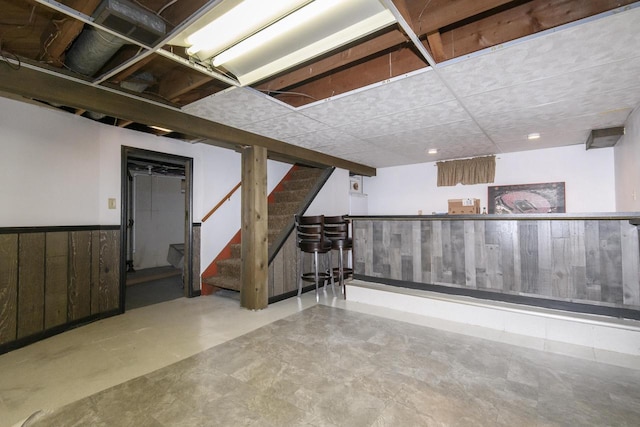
column 428, row 17
column 32, row 83
column 393, row 64
column 520, row 21
column 333, row 62
column 58, row 36
column 179, row 81
column 435, row 46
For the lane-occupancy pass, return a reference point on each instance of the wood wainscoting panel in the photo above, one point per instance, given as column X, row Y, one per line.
column 31, row 268
column 8, row 287
column 109, row 282
column 591, row 261
column 56, row 278
column 79, row 292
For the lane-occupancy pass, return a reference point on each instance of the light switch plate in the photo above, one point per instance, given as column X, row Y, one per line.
column 112, row 203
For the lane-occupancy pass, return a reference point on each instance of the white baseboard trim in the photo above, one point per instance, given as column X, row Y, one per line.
column 600, row 338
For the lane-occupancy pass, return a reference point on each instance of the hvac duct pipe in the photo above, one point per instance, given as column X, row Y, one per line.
column 91, row 50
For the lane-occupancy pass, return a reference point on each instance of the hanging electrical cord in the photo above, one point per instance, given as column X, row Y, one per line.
column 162, row 9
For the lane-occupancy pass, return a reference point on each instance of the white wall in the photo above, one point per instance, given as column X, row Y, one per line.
column 159, row 218
column 627, row 163
column 333, row 198
column 588, row 176
column 49, row 163
column 60, row 169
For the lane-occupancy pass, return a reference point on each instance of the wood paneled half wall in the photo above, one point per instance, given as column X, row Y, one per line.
column 52, row 278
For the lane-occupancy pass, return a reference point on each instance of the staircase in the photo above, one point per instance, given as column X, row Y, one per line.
column 284, row 202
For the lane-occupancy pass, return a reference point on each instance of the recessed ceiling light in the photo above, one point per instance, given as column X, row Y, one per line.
column 533, row 136
column 432, row 151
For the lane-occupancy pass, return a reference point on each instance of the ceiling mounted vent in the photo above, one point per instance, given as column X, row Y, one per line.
column 130, row 20
column 602, row 138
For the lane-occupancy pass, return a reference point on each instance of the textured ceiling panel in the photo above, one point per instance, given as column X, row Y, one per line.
column 327, row 137
column 557, row 138
column 237, row 107
column 600, row 41
column 561, row 84
column 430, row 115
column 505, row 127
column 407, row 93
column 432, row 137
column 379, row 158
column 588, row 85
column 283, row 126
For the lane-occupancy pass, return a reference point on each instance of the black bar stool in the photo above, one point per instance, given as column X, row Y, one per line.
column 336, row 230
column 311, row 239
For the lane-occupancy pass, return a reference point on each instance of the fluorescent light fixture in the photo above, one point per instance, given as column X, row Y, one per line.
column 533, row 136
column 296, row 19
column 241, row 21
column 432, row 151
column 254, row 39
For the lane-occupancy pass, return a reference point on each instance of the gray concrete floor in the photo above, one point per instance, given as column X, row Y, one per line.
column 317, row 365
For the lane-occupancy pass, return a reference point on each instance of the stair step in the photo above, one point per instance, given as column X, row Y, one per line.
column 236, row 250
column 277, row 222
column 299, row 184
column 304, row 172
column 283, row 208
column 290, row 196
column 224, row 282
column 229, row 267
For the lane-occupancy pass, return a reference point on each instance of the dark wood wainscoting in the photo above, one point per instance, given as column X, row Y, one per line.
column 52, row 278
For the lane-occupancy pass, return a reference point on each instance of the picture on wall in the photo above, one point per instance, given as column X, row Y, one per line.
column 527, row 198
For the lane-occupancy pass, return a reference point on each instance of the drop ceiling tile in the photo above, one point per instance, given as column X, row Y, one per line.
column 283, row 126
column 237, row 107
column 508, row 128
column 326, row 137
column 407, row 93
column 618, row 79
column 464, row 132
column 340, row 150
column 418, row 118
column 558, row 138
column 379, row 158
column 566, row 50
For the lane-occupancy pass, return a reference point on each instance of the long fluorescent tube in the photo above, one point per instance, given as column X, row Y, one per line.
column 241, row 21
column 369, row 25
column 289, row 22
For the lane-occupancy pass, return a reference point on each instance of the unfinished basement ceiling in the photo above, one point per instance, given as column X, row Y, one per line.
column 467, row 78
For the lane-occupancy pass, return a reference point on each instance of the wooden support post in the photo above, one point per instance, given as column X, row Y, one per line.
column 254, row 270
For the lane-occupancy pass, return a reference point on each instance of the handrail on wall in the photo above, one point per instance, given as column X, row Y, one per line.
column 221, row 202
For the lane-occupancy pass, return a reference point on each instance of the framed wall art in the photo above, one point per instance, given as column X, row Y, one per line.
column 527, row 198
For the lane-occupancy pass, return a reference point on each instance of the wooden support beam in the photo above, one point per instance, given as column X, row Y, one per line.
column 520, row 21
column 56, row 38
column 254, row 291
column 346, row 57
column 180, row 81
column 393, row 64
column 437, row 14
column 435, row 45
column 49, row 87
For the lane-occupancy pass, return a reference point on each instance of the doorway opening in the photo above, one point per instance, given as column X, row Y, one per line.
column 156, row 228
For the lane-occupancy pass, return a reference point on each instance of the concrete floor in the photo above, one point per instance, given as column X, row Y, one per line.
column 350, row 364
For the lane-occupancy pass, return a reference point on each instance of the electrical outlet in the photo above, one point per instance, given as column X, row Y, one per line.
column 420, row 212
column 112, row 203
column 634, row 195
